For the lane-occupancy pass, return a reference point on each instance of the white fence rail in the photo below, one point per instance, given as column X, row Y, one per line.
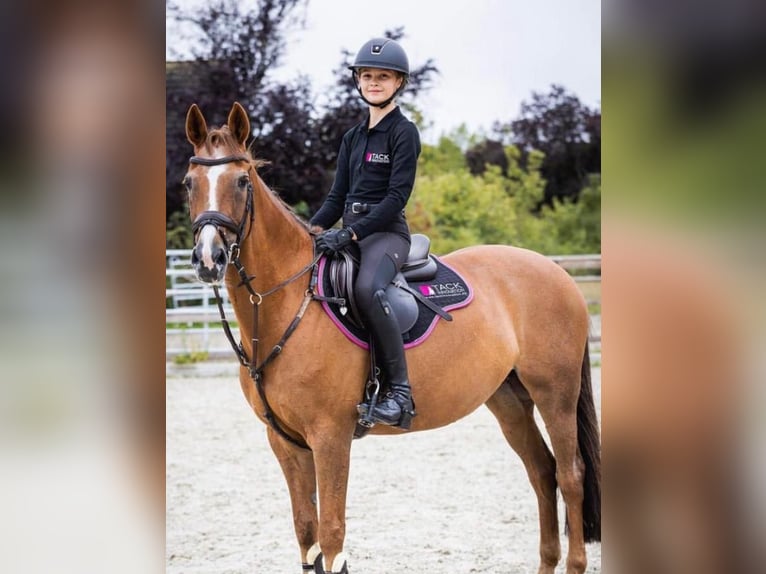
column 193, row 323
column 192, row 320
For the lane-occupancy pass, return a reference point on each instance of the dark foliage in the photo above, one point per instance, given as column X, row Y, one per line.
column 488, row 152
column 558, row 124
column 234, row 49
column 206, row 84
column 285, row 135
column 299, row 141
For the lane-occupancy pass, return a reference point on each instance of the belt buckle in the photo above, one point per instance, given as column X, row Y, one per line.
column 356, row 207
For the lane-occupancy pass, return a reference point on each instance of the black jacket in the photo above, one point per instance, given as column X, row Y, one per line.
column 375, row 166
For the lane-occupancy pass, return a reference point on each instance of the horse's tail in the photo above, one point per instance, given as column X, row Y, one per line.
column 590, row 448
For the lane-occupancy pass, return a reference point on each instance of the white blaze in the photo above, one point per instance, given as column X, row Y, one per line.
column 206, row 237
column 212, row 178
column 208, row 234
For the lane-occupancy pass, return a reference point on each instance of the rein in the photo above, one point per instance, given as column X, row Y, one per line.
column 218, row 219
column 256, row 370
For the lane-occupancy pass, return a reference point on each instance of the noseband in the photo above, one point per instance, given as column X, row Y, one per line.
column 216, row 217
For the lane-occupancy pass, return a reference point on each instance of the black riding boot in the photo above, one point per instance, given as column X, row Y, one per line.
column 396, row 407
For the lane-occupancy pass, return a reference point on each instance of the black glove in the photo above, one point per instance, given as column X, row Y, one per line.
column 334, row 240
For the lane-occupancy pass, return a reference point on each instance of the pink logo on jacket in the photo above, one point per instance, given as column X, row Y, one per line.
column 372, row 157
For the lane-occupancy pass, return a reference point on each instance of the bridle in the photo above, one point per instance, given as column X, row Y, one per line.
column 220, row 220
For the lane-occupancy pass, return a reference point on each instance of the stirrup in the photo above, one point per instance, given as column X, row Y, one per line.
column 365, row 408
column 365, row 415
column 406, row 421
column 406, row 415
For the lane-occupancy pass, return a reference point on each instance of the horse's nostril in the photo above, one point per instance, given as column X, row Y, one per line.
column 220, row 257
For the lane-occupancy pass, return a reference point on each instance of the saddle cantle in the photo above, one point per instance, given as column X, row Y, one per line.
column 419, row 265
column 424, row 290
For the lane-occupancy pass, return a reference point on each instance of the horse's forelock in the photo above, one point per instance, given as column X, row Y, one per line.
column 222, row 138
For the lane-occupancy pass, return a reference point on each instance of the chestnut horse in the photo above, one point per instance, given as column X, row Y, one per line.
column 521, row 343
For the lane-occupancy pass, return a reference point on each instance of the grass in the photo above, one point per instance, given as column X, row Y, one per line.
column 191, row 357
column 198, row 325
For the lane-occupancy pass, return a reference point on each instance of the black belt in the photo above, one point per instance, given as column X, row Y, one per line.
column 358, row 207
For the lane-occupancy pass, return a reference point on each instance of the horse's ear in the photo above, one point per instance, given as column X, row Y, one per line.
column 239, row 124
column 196, row 127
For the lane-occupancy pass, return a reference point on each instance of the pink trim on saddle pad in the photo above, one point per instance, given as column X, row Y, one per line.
column 425, row 289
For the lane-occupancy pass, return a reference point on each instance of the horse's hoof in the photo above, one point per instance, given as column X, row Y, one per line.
column 319, row 564
column 340, row 563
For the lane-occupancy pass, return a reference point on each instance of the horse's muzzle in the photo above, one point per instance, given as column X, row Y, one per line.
column 209, row 263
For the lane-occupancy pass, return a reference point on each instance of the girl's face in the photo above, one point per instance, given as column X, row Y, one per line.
column 378, row 85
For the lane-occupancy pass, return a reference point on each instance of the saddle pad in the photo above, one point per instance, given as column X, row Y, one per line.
column 448, row 290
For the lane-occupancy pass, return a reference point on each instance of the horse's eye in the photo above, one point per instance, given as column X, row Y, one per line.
column 243, row 181
column 187, row 183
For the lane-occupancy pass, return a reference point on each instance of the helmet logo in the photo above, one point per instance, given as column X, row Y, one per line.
column 376, row 48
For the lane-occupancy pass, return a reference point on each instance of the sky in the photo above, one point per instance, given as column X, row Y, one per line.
column 491, row 54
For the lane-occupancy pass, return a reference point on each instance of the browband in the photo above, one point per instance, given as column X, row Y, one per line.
column 217, row 160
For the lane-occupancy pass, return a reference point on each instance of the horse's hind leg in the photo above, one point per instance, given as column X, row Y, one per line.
column 513, row 409
column 298, row 467
column 555, row 392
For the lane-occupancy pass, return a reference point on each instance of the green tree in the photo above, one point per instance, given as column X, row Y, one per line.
column 575, row 226
column 444, row 157
column 178, row 233
column 457, row 208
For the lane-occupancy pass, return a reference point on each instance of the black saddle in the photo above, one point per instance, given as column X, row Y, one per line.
column 420, row 266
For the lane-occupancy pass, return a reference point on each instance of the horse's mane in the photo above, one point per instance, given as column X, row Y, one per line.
column 289, row 208
column 222, row 138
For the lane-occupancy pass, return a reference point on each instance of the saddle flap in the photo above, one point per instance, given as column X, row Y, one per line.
column 404, row 305
column 342, row 271
column 342, row 275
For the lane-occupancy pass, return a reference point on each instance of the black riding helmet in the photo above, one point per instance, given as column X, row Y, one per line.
column 383, row 53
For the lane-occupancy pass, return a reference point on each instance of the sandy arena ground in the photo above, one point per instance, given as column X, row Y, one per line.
column 452, row 500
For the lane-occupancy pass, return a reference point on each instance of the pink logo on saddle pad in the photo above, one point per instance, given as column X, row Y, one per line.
column 426, row 290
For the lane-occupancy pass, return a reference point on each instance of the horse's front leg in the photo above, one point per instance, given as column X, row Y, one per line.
column 298, row 467
column 332, row 450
